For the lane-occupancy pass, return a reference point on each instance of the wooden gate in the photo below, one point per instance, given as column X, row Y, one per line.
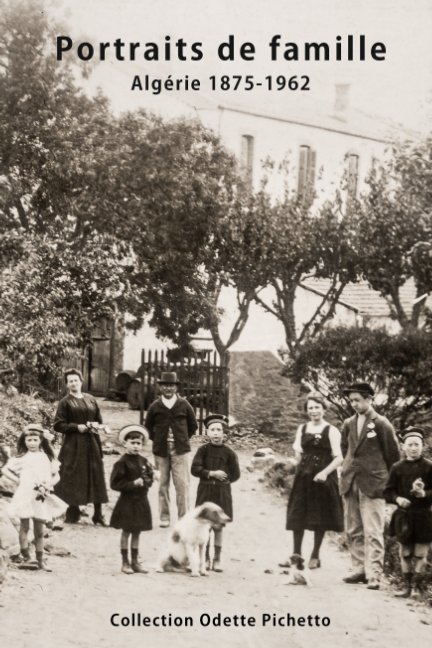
column 204, row 381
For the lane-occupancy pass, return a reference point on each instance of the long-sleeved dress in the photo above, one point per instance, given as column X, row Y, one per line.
column 215, row 457
column 82, row 479
column 316, row 506
column 132, row 511
column 34, row 469
column 414, row 524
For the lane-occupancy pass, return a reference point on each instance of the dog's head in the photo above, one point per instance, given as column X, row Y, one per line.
column 297, row 561
column 213, row 514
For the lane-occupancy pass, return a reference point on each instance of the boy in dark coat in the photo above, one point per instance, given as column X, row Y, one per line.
column 409, row 486
column 132, row 475
column 217, row 467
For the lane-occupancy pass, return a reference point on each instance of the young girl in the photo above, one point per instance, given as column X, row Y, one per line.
column 314, row 502
column 36, row 471
column 409, row 486
column 132, row 475
column 217, row 467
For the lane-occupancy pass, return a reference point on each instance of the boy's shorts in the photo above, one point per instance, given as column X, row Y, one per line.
column 418, row 549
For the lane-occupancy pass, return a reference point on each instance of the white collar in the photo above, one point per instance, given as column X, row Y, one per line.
column 169, row 402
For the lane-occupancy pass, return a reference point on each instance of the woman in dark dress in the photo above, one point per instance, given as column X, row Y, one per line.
column 82, row 479
column 314, row 502
column 217, row 467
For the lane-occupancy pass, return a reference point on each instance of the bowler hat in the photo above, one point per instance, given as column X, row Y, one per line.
column 127, row 429
column 411, row 431
column 216, row 418
column 360, row 388
column 168, row 378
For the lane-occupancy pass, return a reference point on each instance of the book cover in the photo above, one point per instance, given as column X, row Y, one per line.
column 318, row 88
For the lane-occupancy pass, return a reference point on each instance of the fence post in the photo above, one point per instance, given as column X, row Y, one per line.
column 142, row 387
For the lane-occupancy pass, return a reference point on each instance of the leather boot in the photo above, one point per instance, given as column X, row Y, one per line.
column 72, row 514
column 217, row 567
column 405, row 590
column 136, row 565
column 418, row 586
column 98, row 518
column 42, row 563
column 126, row 567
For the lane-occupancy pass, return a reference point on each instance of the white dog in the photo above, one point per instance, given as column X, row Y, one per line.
column 189, row 537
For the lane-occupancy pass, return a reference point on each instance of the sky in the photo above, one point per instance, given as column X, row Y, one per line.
column 399, row 88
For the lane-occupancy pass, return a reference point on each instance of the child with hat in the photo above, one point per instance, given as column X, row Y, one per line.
column 132, row 475
column 217, row 467
column 35, row 470
column 409, row 486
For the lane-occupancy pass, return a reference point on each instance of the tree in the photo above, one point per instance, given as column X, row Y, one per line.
column 135, row 196
column 394, row 227
column 298, row 243
column 185, row 213
column 63, row 265
column 398, row 366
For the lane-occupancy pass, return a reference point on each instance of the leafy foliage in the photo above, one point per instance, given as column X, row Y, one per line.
column 394, row 226
column 398, row 366
column 299, row 241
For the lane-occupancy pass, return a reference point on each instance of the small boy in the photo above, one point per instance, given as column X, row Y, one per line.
column 132, row 475
column 409, row 486
column 217, row 467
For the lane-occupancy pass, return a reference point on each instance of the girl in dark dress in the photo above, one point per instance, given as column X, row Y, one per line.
column 314, row 502
column 82, row 479
column 132, row 475
column 217, row 467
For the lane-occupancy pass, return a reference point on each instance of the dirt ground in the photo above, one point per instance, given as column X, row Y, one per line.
column 72, row 606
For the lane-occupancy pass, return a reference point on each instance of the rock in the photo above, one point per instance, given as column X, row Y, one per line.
column 258, row 463
column 4, row 560
column 263, row 452
column 8, row 533
column 57, row 550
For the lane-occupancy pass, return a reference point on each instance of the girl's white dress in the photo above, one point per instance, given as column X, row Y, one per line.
column 34, row 469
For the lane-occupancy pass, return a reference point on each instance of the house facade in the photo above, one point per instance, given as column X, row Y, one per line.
column 322, row 146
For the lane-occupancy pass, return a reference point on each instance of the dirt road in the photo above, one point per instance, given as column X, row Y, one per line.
column 73, row 606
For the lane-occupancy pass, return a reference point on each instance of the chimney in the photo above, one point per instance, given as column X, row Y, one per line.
column 341, row 103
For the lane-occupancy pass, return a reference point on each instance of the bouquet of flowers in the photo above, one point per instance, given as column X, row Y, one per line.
column 96, row 428
column 42, row 492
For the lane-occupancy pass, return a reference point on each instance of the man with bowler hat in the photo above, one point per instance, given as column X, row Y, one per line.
column 370, row 448
column 171, row 422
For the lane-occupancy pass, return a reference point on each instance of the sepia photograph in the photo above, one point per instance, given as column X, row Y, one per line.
column 215, row 323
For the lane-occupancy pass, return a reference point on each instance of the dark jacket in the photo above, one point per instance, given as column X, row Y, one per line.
column 180, row 418
column 413, row 524
column 368, row 457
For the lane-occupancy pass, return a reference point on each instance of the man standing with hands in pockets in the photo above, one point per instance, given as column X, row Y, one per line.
column 171, row 422
column 370, row 448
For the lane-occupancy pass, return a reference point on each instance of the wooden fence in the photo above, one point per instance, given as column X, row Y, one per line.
column 204, row 381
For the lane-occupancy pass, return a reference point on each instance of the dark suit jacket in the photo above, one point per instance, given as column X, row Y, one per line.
column 180, row 418
column 368, row 457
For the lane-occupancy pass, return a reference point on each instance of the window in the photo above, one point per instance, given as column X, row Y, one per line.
column 306, row 170
column 247, row 154
column 352, row 179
